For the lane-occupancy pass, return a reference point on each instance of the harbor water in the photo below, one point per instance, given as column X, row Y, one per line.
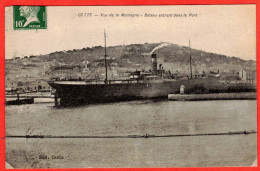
column 97, row 135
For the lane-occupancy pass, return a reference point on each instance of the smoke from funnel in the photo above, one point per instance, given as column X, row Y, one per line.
column 160, row 46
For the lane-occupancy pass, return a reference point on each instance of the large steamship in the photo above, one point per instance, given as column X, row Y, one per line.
column 155, row 83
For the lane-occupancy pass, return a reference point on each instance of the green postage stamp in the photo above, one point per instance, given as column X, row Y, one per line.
column 29, row 17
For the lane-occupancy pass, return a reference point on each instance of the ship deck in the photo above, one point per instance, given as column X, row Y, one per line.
column 111, row 82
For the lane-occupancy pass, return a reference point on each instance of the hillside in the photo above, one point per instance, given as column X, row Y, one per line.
column 128, row 57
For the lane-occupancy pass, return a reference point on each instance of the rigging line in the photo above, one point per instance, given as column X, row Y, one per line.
column 90, row 72
column 193, row 63
column 138, row 136
column 190, row 60
column 105, row 54
column 196, row 69
column 197, row 63
column 111, row 70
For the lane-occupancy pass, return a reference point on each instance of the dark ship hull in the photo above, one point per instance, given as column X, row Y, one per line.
column 80, row 92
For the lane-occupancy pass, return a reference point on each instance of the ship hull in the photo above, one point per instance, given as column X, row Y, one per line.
column 74, row 94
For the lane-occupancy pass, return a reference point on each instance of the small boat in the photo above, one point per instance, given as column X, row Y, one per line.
column 20, row 101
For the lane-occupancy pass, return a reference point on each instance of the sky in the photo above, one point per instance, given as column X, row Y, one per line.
column 223, row 29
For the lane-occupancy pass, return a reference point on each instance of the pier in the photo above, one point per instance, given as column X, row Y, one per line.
column 213, row 96
column 28, row 98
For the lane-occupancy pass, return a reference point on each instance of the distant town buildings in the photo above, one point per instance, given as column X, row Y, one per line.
column 242, row 75
column 32, row 74
column 248, row 77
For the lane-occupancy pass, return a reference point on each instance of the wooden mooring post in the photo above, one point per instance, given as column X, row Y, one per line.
column 56, row 97
column 18, row 96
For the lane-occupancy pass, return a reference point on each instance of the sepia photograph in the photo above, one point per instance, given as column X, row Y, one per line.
column 159, row 86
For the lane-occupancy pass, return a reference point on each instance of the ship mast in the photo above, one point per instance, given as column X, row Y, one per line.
column 105, row 55
column 190, row 61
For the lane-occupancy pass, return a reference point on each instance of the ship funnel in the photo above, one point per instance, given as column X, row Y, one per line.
column 154, row 62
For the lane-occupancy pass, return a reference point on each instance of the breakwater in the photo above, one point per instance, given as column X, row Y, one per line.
column 214, row 96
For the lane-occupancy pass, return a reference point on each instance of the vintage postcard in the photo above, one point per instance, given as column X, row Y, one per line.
column 159, row 86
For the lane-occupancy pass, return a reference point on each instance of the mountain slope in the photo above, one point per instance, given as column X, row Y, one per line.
column 129, row 57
